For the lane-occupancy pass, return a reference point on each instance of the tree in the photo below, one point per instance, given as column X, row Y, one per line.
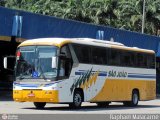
column 130, row 14
column 123, row 14
column 152, row 16
column 2, row 3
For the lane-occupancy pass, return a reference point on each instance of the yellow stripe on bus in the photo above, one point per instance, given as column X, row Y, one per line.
column 121, row 90
column 36, row 96
column 54, row 43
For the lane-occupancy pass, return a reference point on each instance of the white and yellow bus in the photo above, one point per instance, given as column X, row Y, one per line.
column 72, row 71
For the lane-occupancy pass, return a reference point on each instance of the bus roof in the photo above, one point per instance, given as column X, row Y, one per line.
column 85, row 41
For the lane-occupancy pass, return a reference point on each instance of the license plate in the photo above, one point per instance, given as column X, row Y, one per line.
column 31, row 95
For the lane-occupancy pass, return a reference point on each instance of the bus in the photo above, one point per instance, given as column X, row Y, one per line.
column 75, row 70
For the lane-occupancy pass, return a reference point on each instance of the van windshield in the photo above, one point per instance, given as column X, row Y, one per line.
column 35, row 62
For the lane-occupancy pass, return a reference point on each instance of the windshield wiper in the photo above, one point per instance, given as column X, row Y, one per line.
column 42, row 72
column 21, row 77
column 39, row 66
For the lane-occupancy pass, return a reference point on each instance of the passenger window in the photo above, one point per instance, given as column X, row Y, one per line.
column 83, row 53
column 65, row 64
column 99, row 56
column 141, row 60
column 114, row 57
column 65, row 51
column 151, row 61
column 127, row 59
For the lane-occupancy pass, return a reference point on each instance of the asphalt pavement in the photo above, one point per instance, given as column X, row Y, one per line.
column 89, row 111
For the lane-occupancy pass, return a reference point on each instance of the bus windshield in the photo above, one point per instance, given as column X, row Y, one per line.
column 35, row 62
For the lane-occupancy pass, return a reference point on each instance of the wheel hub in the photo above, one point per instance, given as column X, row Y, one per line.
column 77, row 99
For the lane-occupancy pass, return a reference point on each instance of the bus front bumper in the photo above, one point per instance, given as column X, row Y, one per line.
column 36, row 96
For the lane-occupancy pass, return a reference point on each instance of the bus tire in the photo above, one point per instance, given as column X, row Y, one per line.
column 39, row 105
column 134, row 100
column 102, row 104
column 77, row 100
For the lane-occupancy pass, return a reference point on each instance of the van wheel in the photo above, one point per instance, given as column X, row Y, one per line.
column 39, row 105
column 77, row 100
column 102, row 104
column 134, row 100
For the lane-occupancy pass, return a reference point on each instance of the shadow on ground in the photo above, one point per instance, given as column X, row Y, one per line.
column 94, row 108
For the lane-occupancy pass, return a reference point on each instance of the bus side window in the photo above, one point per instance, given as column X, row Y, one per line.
column 141, row 60
column 99, row 56
column 151, row 61
column 62, row 70
column 65, row 50
column 127, row 59
column 66, row 62
column 114, row 57
column 82, row 53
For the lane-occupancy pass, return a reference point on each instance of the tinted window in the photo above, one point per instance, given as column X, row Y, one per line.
column 151, row 61
column 114, row 57
column 99, row 55
column 65, row 62
column 65, row 50
column 127, row 58
column 142, row 60
column 82, row 52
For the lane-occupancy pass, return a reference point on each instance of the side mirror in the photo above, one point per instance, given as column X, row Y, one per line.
column 54, row 62
column 5, row 62
column 8, row 62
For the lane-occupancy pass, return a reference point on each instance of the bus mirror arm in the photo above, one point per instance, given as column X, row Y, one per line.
column 7, row 61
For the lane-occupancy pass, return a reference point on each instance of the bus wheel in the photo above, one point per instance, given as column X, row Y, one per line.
column 134, row 100
column 39, row 105
column 102, row 104
column 77, row 100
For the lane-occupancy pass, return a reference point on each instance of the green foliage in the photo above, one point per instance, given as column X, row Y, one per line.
column 2, row 3
column 123, row 14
